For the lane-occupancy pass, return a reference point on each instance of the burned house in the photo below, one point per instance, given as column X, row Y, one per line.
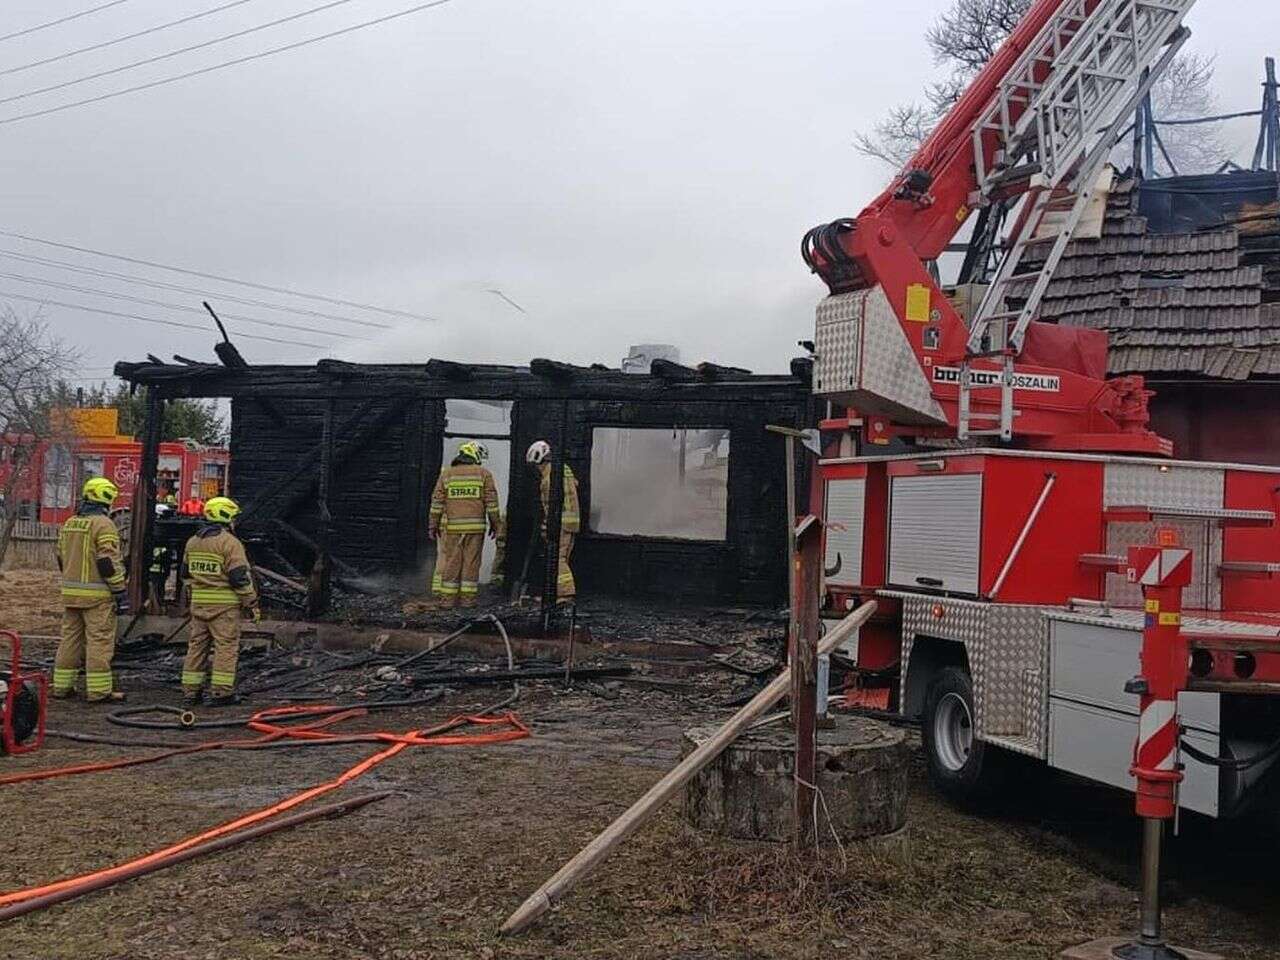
column 1183, row 274
column 682, row 489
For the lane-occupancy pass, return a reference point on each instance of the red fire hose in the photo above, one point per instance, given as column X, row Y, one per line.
column 266, row 722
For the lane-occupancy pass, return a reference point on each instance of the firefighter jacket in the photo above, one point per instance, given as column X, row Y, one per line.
column 218, row 571
column 464, row 496
column 89, row 555
column 569, row 520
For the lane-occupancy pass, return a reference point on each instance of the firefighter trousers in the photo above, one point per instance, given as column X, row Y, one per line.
column 566, row 589
column 459, row 564
column 88, row 639
column 218, row 630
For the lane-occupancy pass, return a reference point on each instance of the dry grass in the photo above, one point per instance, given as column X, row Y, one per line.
column 433, row 871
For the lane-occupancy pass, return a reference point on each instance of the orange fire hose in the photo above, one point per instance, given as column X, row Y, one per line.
column 264, row 723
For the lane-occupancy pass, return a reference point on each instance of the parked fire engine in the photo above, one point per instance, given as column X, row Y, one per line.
column 1005, row 627
column 1052, row 584
column 91, row 446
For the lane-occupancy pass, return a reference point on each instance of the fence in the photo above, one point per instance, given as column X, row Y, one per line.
column 34, row 546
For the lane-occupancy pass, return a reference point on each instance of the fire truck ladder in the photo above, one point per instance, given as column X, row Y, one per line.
column 1055, row 118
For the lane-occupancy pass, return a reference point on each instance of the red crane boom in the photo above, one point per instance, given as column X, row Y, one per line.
column 1038, row 122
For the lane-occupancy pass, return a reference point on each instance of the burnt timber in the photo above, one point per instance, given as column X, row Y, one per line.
column 353, row 498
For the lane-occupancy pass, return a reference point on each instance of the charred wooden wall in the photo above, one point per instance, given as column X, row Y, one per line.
column 387, row 454
column 748, row 566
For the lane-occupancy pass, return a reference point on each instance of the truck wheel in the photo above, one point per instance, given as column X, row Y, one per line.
column 960, row 765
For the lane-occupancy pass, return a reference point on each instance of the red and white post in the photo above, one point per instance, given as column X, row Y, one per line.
column 1162, row 572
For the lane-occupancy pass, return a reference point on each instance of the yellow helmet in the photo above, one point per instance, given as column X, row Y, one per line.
column 221, row 510
column 100, row 490
column 473, row 451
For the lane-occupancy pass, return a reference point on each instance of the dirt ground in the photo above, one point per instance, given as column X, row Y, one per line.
column 30, row 602
column 432, row 871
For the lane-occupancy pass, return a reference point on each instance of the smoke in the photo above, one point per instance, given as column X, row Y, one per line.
column 639, row 489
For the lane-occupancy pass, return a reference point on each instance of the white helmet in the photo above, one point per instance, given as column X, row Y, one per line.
column 482, row 450
column 538, row 452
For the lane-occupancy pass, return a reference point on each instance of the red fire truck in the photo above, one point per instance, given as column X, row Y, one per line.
column 1007, row 475
column 1052, row 585
column 92, row 447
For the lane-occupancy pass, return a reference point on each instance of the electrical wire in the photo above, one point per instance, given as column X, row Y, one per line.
column 129, row 36
column 74, row 288
column 213, row 276
column 204, row 294
column 213, row 41
column 4, row 294
column 226, row 63
column 66, row 19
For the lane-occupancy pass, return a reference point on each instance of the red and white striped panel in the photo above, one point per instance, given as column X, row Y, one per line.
column 1164, row 565
column 1158, row 735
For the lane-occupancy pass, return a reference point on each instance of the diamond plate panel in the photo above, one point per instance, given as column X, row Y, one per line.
column 1204, row 537
column 1007, row 647
column 1147, row 484
column 865, row 360
column 836, row 340
column 1133, row 619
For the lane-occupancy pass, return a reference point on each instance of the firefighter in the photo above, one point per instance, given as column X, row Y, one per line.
column 500, row 552
column 161, row 567
column 539, row 457
column 465, row 502
column 221, row 586
column 93, row 593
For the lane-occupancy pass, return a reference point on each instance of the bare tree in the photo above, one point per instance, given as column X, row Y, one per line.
column 32, row 360
column 965, row 37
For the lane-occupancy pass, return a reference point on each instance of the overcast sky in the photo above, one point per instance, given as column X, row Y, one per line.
column 623, row 170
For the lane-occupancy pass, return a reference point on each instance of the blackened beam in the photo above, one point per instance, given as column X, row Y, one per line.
column 670, row 370
column 485, row 383
column 293, row 532
column 506, row 676
column 714, row 371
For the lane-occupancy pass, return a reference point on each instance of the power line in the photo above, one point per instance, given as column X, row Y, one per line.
column 221, row 279
column 74, row 288
column 166, row 323
column 176, row 53
column 226, row 63
column 128, row 36
column 66, row 19
column 178, row 288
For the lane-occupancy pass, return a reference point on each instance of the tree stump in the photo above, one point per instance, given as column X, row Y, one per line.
column 747, row 792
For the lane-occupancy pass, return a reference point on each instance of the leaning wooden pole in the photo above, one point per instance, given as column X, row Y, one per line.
column 594, row 853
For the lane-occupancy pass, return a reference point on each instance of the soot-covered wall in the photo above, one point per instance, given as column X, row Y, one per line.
column 387, row 452
column 748, row 566
column 386, row 456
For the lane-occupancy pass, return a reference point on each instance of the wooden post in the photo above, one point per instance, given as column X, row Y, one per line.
column 142, row 528
column 594, row 853
column 318, row 587
column 803, row 655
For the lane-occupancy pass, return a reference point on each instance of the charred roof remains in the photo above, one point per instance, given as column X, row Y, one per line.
column 335, row 463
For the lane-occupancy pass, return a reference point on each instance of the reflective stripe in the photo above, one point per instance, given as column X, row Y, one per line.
column 467, row 526
column 219, row 679
column 64, row 678
column 435, row 582
column 449, row 589
column 97, row 682
column 214, row 597
column 192, row 679
column 565, row 578
column 470, row 587
column 72, row 588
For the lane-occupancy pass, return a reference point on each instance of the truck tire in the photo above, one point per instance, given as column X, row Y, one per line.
column 962, row 767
